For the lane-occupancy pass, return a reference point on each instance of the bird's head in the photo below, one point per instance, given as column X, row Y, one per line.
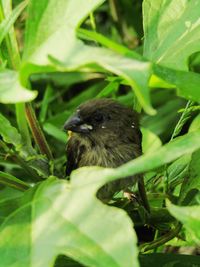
column 104, row 119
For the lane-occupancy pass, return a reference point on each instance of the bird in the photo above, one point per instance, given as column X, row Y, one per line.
column 105, row 133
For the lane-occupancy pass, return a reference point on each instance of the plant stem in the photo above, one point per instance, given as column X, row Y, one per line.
column 11, row 43
column 13, row 184
column 162, row 240
column 14, row 63
column 92, row 21
column 113, row 10
column 142, row 192
column 37, row 132
column 22, row 124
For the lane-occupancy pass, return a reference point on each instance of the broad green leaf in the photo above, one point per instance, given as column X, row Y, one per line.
column 68, row 220
column 7, row 23
column 9, row 133
column 189, row 217
column 195, row 125
column 150, row 141
column 97, row 37
column 172, row 31
column 136, row 73
column 187, row 83
column 11, row 91
column 168, row 260
column 192, row 181
column 62, row 18
column 57, row 45
column 9, row 202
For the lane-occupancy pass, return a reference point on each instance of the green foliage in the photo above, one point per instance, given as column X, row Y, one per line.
column 171, row 31
column 60, row 54
column 189, row 216
column 70, row 230
column 10, row 86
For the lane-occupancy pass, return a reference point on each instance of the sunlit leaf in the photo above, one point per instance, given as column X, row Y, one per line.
column 150, row 141
column 50, row 28
column 192, row 181
column 189, row 217
column 56, row 220
column 172, row 31
column 58, row 45
column 10, row 20
column 9, row 133
column 195, row 125
column 11, row 91
column 187, row 83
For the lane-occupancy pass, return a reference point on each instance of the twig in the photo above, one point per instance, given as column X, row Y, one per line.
column 143, row 194
column 162, row 240
column 37, row 132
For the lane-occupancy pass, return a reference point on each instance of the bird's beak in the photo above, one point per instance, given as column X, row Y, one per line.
column 76, row 124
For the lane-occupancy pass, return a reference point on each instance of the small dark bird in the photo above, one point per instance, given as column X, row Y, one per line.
column 103, row 133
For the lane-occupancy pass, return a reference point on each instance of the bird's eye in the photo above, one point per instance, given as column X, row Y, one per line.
column 98, row 117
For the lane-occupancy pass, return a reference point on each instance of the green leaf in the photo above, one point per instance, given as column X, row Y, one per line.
column 55, row 132
column 168, row 260
column 187, row 83
column 45, row 103
column 97, row 37
column 189, row 217
column 136, row 73
column 9, row 202
column 9, row 133
column 12, row 56
column 195, row 125
column 111, row 88
column 47, row 46
column 177, row 171
column 7, row 23
column 11, row 90
column 11, row 181
column 62, row 18
column 150, row 141
column 68, row 220
column 191, row 181
column 172, row 31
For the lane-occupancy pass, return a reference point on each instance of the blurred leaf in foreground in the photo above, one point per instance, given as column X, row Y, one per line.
column 69, row 220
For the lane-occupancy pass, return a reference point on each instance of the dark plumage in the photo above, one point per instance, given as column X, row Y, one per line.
column 104, row 133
